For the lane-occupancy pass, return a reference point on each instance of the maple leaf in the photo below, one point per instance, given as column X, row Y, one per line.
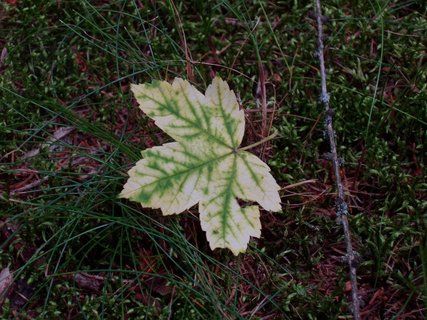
column 204, row 165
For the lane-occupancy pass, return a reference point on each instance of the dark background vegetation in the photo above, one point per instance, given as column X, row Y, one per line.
column 69, row 131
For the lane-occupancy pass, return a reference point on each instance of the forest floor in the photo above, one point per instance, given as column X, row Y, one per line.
column 70, row 130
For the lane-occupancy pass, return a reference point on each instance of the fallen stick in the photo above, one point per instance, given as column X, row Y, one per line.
column 341, row 205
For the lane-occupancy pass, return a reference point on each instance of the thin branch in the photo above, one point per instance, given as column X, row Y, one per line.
column 29, row 186
column 341, row 205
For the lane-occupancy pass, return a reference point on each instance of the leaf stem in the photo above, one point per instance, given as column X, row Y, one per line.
column 264, row 140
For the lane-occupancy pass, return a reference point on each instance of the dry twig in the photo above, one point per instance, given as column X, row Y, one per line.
column 341, row 205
